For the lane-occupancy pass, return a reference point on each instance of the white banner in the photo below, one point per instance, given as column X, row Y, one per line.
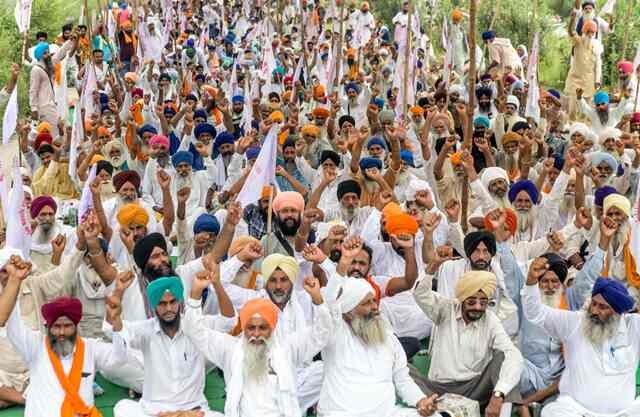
column 10, row 118
column 263, row 172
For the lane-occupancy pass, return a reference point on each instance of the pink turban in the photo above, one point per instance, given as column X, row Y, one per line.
column 62, row 306
column 290, row 199
column 625, row 66
column 159, row 140
column 41, row 202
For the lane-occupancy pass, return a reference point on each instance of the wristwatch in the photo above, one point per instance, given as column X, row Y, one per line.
column 498, row 394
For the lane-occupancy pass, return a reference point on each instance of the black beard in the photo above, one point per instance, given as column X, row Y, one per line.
column 289, row 230
column 59, row 348
column 384, row 235
column 170, row 325
column 154, row 273
column 479, row 265
column 484, row 107
column 603, row 116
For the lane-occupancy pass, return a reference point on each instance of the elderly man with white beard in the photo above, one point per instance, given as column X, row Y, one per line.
column 601, row 347
column 603, row 171
column 51, row 238
column 185, row 177
column 349, row 210
column 126, row 183
column 259, row 367
column 377, row 365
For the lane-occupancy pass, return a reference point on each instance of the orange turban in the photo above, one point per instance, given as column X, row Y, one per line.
column 400, row 224
column 456, row 16
column 391, row 209
column 417, row 110
column 351, row 52
column 44, row 127
column 456, row 158
column 132, row 214
column 511, row 221
column 310, row 129
column 265, row 192
column 96, row 158
column 318, row 91
column 320, row 112
column 286, row 96
column 276, row 117
column 88, row 127
column 262, row 308
column 238, row 244
column 212, row 91
column 589, row 26
column 103, row 131
column 510, row 137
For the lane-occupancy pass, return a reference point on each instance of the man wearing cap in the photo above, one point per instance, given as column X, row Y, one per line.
column 62, row 365
column 600, row 347
column 377, row 365
column 252, row 389
column 51, row 239
column 603, row 115
column 174, row 368
column 483, row 365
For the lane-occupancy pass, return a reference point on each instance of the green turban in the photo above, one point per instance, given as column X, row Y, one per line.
column 157, row 288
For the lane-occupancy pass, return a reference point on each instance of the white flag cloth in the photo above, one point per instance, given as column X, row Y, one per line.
column 90, row 86
column 86, row 200
column 608, row 7
column 4, row 192
column 445, row 32
column 263, row 172
column 22, row 14
column 77, row 132
column 10, row 118
column 247, row 110
column 233, row 82
column 19, row 228
column 296, row 77
column 533, row 96
column 448, row 64
column 61, row 90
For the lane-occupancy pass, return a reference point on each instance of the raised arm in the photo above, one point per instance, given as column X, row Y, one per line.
column 164, row 180
column 399, row 284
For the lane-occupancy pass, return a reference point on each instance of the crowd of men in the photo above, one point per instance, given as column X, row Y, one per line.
column 504, row 248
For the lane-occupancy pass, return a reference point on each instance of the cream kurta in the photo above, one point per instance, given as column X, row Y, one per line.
column 585, row 70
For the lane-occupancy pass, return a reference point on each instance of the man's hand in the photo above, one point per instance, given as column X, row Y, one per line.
column 351, row 247
column 608, row 227
column 312, row 287
column 584, row 219
column 556, row 241
column 17, row 268
column 493, row 409
column 199, row 283
column 427, row 406
column 183, row 195
column 58, row 244
column 311, row 216
column 250, row 253
column 234, row 214
column 312, row 253
column 127, row 239
column 430, row 222
column 384, row 197
column 124, row 280
column 452, row 208
column 404, row 240
column 163, row 179
column 328, row 176
column 537, row 269
column 113, row 304
column 95, row 186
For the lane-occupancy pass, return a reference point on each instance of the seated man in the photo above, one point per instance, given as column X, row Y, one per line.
column 601, row 345
column 472, row 354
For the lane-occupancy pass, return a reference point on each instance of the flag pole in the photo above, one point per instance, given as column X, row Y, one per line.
column 635, row 102
column 464, row 204
column 407, row 54
column 339, row 51
column 626, row 29
column 23, row 54
column 269, row 216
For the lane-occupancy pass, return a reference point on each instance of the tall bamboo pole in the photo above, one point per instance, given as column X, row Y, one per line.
column 407, row 55
column 336, row 81
column 625, row 42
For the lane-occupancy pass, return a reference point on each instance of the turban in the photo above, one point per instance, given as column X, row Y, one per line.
column 376, row 141
column 391, row 209
column 456, row 16
column 40, row 49
column 252, row 153
column 610, row 133
column 349, row 186
column 615, row 294
column 484, row 92
column 237, row 99
column 41, row 202
column 320, row 112
column 580, row 128
column 518, row 85
column 586, row 3
column 328, row 154
column 131, row 76
column 354, row 290
column 132, row 213
column 618, row 201
column 41, row 138
column 260, row 307
column 200, row 114
column 103, row 131
column 600, row 98
column 401, row 224
column 286, row 264
column 554, row 93
column 224, row 138
column 147, row 129
column 181, row 157
column 482, row 121
column 238, row 244
column 602, row 193
column 159, row 140
column 95, row 159
column 158, row 287
column 276, row 117
column 369, row 162
column 290, row 199
column 143, row 248
column 104, row 165
column 310, row 129
column 488, row 35
column 558, row 163
column 414, row 186
column 124, row 177
column 68, row 307
column 589, row 26
column 352, row 86
column 346, row 119
column 524, row 185
column 204, row 128
column 44, row 127
column 318, row 91
column 290, row 143
column 378, row 102
column 599, row 157
column 473, row 281
column 491, row 174
column 557, row 265
column 416, row 110
column 625, row 66
column 513, row 100
column 510, row 78
column 473, row 239
column 44, row 148
column 511, row 221
column 206, row 223
column 137, row 92
column 519, row 126
column 407, row 157
column 456, row 158
column 386, row 116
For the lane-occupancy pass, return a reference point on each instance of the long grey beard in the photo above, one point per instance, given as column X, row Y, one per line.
column 552, row 301
column 502, row 202
column 64, row 348
column 511, row 162
column 348, row 214
column 620, row 237
column 256, row 359
column 41, row 237
column 598, row 333
column 525, row 220
column 183, row 182
column 372, row 331
column 567, row 204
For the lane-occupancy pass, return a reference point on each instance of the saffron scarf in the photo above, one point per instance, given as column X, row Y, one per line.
column 632, row 276
column 73, row 403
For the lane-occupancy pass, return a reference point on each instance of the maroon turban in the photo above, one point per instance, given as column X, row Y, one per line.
column 39, row 203
column 62, row 306
column 124, row 177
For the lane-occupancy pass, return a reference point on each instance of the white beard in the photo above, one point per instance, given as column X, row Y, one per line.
column 511, row 162
column 567, row 204
column 526, row 220
column 598, row 333
column 106, row 190
column 620, row 238
column 256, row 360
column 552, row 301
column 41, row 237
column 348, row 215
column 370, row 331
column 588, row 16
column 502, row 202
column 182, row 182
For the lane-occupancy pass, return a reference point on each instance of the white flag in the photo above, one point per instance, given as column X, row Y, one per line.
column 296, row 77
column 77, row 133
column 533, row 96
column 636, row 59
column 10, row 118
column 448, row 64
column 608, row 7
column 61, row 91
column 247, row 110
column 90, row 86
column 4, row 192
column 22, row 13
column 263, row 172
column 19, row 228
column 86, row 200
column 445, row 32
column 233, row 82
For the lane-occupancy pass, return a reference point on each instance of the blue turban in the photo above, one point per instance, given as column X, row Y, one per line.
column 615, row 293
column 598, row 157
column 224, row 137
column 369, row 162
column 554, row 93
column 602, row 193
column 147, row 129
column 601, row 98
column 379, row 102
column 200, row 113
column 482, row 121
column 104, row 108
column 204, row 128
column 488, row 35
column 181, row 157
column 206, row 223
column 376, row 141
column 524, row 185
column 158, row 287
column 484, row 91
column 252, row 153
column 200, row 77
column 352, row 86
column 407, row 157
column 40, row 50
column 237, row 99
column 230, row 38
column 168, row 111
column 193, row 97
column 517, row 85
column 190, row 43
column 558, row 163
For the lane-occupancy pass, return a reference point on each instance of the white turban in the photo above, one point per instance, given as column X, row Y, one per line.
column 608, row 133
column 581, row 128
column 460, row 90
column 354, row 290
column 513, row 100
column 414, row 186
column 325, row 227
column 493, row 173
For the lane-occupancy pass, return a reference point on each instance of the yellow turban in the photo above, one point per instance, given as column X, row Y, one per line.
column 238, row 244
column 510, row 137
column 132, row 214
column 311, row 130
column 44, row 127
column 95, row 159
column 277, row 116
column 473, row 281
column 618, row 201
column 287, row 264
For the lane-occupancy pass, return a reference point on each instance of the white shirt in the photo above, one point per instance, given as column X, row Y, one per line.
column 260, row 399
column 601, row 379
